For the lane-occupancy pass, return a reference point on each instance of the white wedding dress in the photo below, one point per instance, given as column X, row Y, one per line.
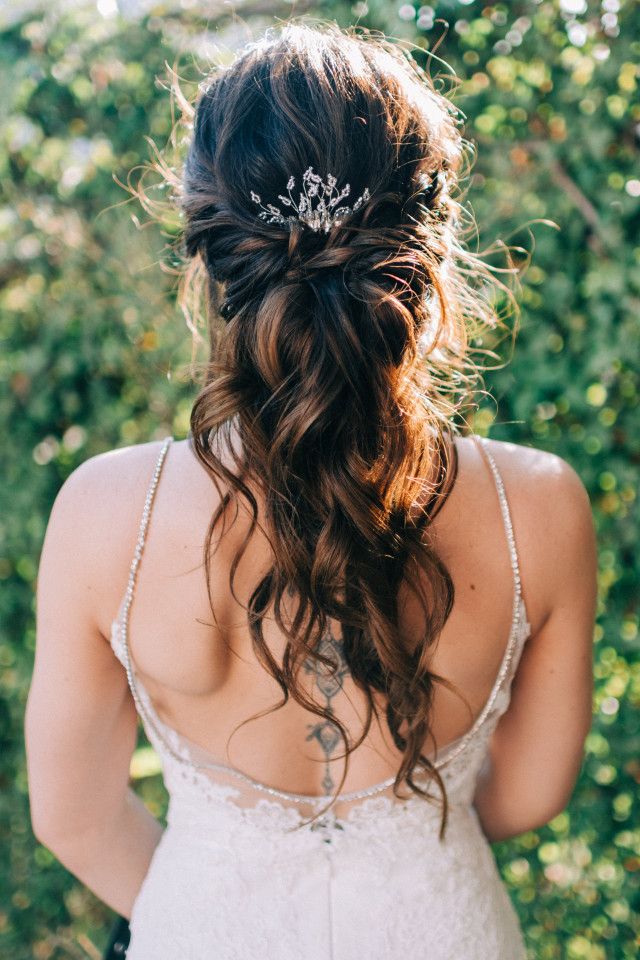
column 232, row 879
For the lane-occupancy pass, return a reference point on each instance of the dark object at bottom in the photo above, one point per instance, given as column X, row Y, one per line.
column 118, row 940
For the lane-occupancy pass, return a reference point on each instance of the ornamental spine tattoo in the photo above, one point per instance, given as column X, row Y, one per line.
column 330, row 683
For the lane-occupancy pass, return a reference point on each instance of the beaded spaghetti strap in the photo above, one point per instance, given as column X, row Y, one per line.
column 146, row 714
column 461, row 744
column 506, row 516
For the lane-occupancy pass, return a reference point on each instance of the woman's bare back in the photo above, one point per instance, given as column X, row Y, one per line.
column 82, row 721
column 204, row 678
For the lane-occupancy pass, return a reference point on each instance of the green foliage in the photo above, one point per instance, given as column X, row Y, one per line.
column 95, row 355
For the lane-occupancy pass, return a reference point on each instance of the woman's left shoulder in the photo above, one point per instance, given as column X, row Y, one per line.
column 547, row 499
column 529, row 472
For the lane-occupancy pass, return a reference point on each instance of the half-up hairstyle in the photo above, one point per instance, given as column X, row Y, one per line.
column 340, row 358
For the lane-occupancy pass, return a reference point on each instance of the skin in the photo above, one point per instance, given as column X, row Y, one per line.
column 81, row 722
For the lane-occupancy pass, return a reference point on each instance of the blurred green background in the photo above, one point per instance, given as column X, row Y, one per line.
column 95, row 355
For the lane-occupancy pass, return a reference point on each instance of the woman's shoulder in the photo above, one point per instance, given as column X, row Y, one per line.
column 98, row 509
column 533, row 477
column 542, row 487
column 552, row 520
column 112, row 473
column 113, row 481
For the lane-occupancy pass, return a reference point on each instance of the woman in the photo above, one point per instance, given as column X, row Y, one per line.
column 383, row 663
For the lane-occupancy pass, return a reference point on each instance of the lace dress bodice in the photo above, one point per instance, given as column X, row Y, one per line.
column 240, row 873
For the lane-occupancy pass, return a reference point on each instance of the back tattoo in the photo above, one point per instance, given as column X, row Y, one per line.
column 330, row 684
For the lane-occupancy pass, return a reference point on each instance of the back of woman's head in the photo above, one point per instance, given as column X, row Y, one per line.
column 339, row 346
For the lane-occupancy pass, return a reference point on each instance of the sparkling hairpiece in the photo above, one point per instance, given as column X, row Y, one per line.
column 321, row 217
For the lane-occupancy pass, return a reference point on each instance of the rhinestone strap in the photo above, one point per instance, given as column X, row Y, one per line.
column 508, row 525
column 515, row 619
column 148, row 716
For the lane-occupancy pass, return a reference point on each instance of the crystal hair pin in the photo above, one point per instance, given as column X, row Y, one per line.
column 320, row 214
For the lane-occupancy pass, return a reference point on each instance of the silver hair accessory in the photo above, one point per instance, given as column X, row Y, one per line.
column 321, row 217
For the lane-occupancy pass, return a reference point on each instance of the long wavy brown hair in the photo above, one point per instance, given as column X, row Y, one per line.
column 342, row 359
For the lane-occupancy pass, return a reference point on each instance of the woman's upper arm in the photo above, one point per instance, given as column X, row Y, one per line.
column 80, row 722
column 537, row 748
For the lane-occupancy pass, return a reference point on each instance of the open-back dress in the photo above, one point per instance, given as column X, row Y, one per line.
column 237, row 875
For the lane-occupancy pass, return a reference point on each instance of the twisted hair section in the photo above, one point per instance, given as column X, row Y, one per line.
column 342, row 360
